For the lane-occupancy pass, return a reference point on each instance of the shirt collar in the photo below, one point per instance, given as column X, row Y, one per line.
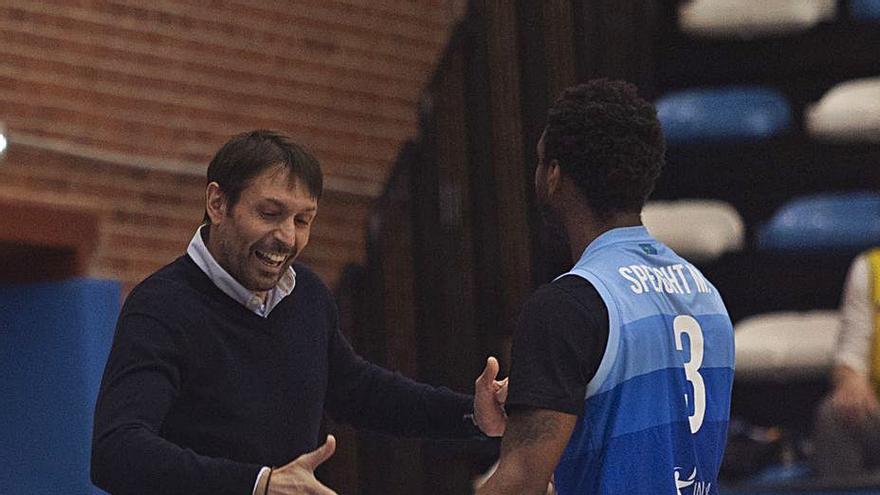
column 199, row 253
column 614, row 236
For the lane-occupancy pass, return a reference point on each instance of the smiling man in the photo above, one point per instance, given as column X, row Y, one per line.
column 225, row 360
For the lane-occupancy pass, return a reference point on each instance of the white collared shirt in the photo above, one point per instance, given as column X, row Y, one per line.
column 198, row 251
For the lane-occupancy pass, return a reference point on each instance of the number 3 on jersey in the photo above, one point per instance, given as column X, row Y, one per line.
column 687, row 324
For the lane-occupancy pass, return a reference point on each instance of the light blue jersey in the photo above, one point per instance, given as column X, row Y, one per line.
column 656, row 412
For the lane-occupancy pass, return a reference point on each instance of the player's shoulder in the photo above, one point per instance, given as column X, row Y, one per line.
column 160, row 287
column 307, row 277
column 308, row 283
column 568, row 293
column 568, row 310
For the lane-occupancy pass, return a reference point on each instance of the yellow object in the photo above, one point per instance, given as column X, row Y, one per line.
column 874, row 263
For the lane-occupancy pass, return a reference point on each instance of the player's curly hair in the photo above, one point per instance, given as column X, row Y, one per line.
column 608, row 139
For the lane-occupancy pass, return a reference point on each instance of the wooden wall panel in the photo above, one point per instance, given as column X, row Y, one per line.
column 507, row 154
column 617, row 39
column 548, row 65
column 448, row 337
column 384, row 332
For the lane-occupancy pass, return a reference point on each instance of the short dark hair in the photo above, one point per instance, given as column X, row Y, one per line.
column 248, row 154
column 609, row 141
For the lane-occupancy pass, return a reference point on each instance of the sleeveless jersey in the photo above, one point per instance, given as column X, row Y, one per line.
column 656, row 412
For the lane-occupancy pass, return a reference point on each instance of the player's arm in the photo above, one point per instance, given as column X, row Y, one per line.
column 530, row 450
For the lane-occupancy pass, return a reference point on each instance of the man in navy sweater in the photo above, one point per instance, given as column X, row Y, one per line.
column 225, row 360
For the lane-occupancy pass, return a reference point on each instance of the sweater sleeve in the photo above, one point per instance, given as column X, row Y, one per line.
column 142, row 378
column 369, row 396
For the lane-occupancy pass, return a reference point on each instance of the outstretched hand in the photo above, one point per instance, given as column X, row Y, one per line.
column 489, row 398
column 298, row 477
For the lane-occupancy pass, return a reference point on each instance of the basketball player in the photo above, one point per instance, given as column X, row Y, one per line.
column 622, row 368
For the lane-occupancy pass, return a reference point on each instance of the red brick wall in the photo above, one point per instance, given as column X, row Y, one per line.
column 115, row 108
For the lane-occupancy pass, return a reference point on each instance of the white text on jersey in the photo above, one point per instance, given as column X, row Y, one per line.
column 670, row 279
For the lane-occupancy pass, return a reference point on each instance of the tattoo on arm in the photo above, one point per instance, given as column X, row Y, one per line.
column 529, row 426
column 532, row 445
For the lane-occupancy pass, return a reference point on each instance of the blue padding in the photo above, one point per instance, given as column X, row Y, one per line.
column 723, row 114
column 55, row 340
column 865, row 10
column 832, row 222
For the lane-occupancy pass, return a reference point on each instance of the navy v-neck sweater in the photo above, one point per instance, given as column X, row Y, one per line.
column 199, row 392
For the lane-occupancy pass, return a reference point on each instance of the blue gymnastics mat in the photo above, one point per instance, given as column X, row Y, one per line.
column 54, row 341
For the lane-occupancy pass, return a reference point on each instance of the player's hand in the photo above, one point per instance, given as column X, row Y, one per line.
column 489, row 398
column 854, row 400
column 298, row 477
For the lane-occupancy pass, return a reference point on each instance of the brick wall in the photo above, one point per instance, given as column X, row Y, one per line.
column 115, row 108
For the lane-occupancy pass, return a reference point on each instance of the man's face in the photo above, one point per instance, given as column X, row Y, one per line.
column 257, row 239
